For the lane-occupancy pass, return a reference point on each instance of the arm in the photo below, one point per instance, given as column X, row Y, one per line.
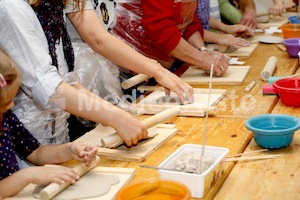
column 60, row 153
column 202, row 59
column 237, row 30
column 95, row 35
column 229, row 12
column 249, row 13
column 225, row 39
column 29, row 48
column 14, row 183
column 276, row 8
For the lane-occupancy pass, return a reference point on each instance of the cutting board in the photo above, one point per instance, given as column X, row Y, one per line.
column 241, row 52
column 150, row 104
column 124, row 174
column 234, row 75
column 136, row 153
column 278, row 21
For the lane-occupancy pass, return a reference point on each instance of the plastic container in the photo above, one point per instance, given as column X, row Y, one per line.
column 290, row 30
column 154, row 189
column 198, row 184
column 288, row 90
column 294, row 20
column 292, row 46
column 273, row 131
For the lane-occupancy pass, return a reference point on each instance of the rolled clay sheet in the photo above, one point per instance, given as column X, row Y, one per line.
column 269, row 68
column 53, row 189
column 114, row 140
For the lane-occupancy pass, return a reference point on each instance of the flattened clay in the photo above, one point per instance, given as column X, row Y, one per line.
column 171, row 99
column 92, row 184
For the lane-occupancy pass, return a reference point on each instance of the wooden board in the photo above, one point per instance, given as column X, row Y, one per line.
column 234, row 75
column 135, row 154
column 149, row 104
column 278, row 21
column 241, row 52
column 125, row 175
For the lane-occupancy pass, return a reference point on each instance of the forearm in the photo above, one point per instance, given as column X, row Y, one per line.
column 14, row 183
column 51, row 154
column 247, row 5
column 110, row 46
column 188, row 52
column 85, row 104
column 211, row 37
column 217, row 25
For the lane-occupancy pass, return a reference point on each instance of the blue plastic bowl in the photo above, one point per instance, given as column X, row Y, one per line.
column 273, row 131
column 294, row 20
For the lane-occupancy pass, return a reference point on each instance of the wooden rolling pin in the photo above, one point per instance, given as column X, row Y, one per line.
column 134, row 81
column 114, row 140
column 53, row 188
column 269, row 68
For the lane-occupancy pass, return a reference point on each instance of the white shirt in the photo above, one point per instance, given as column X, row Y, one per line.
column 23, row 39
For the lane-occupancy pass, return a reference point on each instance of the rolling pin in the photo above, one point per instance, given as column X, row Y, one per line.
column 269, row 68
column 114, row 140
column 134, row 81
column 53, row 188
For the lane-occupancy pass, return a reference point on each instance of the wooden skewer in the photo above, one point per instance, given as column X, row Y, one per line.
column 247, row 153
column 249, row 158
column 197, row 90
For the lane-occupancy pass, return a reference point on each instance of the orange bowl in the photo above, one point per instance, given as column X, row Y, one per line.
column 154, row 189
column 290, row 30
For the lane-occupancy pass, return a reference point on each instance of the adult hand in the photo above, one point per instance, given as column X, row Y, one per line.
column 240, row 30
column 235, row 42
column 84, row 152
column 276, row 9
column 216, row 59
column 249, row 19
column 130, row 129
column 172, row 82
column 54, row 174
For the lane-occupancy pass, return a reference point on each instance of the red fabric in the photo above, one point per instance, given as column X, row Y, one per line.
column 155, row 27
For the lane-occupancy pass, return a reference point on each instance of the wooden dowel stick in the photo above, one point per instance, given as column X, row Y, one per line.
column 115, row 140
column 269, row 68
column 53, row 189
column 134, row 81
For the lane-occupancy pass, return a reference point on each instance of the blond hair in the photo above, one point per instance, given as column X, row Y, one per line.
column 11, row 75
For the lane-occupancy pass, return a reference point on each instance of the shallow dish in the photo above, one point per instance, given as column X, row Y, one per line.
column 273, row 131
column 292, row 46
column 198, row 183
column 288, row 90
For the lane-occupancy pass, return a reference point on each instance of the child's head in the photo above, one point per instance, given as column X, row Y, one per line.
column 9, row 82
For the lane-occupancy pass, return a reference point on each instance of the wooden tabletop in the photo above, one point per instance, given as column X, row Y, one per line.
column 226, row 129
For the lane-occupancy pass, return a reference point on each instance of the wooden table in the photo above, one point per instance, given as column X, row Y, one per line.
column 267, row 179
column 226, row 129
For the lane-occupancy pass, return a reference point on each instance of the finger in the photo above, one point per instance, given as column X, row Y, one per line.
column 189, row 92
column 167, row 91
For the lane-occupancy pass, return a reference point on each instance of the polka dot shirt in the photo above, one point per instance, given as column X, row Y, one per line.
column 14, row 139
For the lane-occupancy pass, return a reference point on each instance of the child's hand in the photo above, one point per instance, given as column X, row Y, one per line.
column 84, row 152
column 46, row 175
